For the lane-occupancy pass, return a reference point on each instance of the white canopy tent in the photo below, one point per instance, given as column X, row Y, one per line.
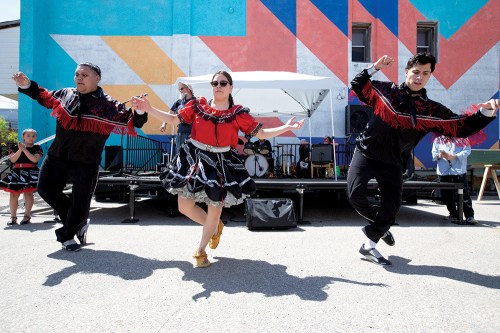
column 8, row 109
column 7, row 103
column 273, row 94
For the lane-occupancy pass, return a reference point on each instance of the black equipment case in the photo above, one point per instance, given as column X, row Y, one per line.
column 270, row 213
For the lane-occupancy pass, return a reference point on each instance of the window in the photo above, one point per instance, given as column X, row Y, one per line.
column 427, row 37
column 361, row 39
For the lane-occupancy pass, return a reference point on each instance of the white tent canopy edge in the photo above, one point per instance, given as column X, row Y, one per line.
column 269, row 93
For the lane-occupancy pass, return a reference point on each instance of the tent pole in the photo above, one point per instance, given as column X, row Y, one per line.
column 310, row 145
column 333, row 136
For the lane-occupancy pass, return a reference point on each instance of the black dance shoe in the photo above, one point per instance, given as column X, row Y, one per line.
column 13, row 221
column 71, row 245
column 26, row 219
column 82, row 233
column 388, row 238
column 374, row 256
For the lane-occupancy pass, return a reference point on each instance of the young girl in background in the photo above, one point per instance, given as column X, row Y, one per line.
column 24, row 176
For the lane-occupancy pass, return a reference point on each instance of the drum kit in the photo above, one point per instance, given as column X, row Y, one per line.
column 257, row 163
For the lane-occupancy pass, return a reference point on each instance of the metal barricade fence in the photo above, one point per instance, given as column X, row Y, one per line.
column 142, row 154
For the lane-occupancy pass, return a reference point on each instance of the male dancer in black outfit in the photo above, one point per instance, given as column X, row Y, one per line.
column 85, row 116
column 403, row 115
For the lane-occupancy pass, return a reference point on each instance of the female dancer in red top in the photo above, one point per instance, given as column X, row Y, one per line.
column 207, row 168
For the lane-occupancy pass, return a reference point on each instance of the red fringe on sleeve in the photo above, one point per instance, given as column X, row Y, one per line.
column 86, row 123
column 91, row 124
column 448, row 127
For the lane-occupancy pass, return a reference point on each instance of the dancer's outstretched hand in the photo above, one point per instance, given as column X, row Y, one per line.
column 141, row 103
column 21, row 79
column 383, row 62
column 492, row 104
column 296, row 125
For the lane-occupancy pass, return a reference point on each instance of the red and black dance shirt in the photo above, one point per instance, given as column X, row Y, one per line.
column 402, row 118
column 218, row 128
column 84, row 121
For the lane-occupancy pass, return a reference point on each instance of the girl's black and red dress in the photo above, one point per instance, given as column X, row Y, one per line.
column 24, row 176
column 207, row 168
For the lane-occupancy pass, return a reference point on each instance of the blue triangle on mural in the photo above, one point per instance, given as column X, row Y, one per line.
column 384, row 10
column 452, row 14
column 285, row 11
column 335, row 11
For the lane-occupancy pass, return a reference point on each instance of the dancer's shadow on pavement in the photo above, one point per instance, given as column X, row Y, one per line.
column 123, row 265
column 228, row 275
column 31, row 227
column 402, row 266
column 234, row 276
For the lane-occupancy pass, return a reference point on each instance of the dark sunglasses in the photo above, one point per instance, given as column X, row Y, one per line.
column 223, row 83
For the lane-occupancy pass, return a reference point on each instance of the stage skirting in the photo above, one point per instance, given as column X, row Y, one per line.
column 147, row 182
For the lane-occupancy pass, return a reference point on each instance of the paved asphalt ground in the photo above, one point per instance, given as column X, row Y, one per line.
column 140, row 277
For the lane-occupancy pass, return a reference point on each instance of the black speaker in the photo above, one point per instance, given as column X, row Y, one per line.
column 356, row 118
column 113, row 158
column 322, row 153
column 269, row 214
column 111, row 193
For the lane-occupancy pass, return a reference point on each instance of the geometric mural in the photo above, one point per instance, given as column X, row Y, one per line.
column 303, row 36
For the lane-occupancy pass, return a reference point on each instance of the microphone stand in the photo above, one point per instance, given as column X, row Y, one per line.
column 321, row 164
column 255, row 162
column 171, row 143
column 120, row 172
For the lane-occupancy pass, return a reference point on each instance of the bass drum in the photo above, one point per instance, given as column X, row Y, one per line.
column 256, row 165
column 265, row 148
column 249, row 148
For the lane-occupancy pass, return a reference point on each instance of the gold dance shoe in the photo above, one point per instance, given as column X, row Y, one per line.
column 214, row 241
column 201, row 259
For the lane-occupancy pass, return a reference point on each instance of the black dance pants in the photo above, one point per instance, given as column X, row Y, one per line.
column 450, row 197
column 390, row 183
column 73, row 210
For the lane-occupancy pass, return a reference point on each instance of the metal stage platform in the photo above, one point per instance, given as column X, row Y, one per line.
column 147, row 182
